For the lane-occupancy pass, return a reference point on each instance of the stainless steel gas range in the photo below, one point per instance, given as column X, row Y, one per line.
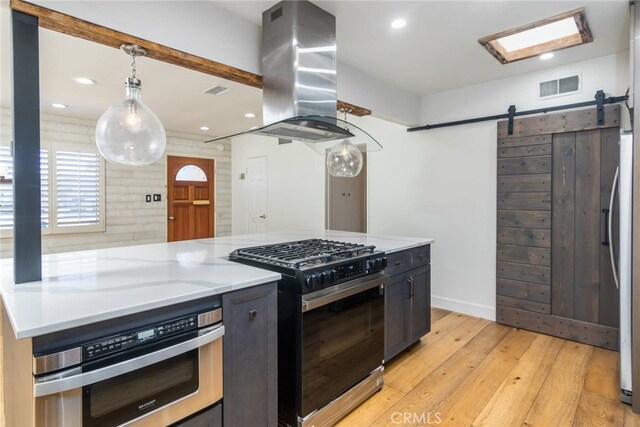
column 330, row 326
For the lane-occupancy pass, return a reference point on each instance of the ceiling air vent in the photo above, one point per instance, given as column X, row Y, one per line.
column 559, row 87
column 217, row 90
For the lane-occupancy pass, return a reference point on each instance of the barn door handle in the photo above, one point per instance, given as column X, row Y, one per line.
column 614, row 188
column 606, row 213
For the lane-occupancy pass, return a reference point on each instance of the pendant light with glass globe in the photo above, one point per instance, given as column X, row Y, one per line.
column 129, row 133
column 344, row 160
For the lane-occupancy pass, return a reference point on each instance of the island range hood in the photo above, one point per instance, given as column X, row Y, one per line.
column 299, row 80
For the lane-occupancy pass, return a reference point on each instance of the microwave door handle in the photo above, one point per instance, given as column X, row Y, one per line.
column 60, row 382
column 614, row 189
column 343, row 290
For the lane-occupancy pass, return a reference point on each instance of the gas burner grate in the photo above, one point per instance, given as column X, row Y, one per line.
column 303, row 252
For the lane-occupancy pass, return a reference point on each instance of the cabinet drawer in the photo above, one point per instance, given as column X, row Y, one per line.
column 420, row 256
column 398, row 262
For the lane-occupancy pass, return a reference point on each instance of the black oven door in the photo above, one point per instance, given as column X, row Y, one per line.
column 129, row 396
column 342, row 339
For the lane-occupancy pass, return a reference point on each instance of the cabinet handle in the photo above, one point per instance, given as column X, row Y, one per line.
column 252, row 314
column 397, row 263
column 411, row 287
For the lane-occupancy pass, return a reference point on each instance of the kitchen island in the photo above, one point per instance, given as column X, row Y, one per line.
column 98, row 286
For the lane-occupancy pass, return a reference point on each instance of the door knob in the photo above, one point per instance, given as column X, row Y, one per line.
column 171, row 218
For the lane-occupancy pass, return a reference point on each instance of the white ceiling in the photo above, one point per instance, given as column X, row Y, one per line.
column 174, row 93
column 438, row 49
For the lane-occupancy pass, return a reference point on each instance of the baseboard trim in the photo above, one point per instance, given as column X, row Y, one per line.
column 464, row 307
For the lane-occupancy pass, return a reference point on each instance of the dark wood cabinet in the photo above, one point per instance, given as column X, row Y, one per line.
column 407, row 299
column 555, row 174
column 420, row 291
column 250, row 357
column 396, row 305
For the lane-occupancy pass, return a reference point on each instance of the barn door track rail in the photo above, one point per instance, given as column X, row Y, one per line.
column 600, row 101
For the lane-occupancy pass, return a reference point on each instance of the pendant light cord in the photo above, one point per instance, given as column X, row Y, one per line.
column 345, row 111
column 133, row 65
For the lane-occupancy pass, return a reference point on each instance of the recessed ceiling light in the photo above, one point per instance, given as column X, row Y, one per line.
column 84, row 81
column 546, row 56
column 398, row 23
column 61, row 106
column 249, row 115
column 204, row 128
column 546, row 35
column 253, row 127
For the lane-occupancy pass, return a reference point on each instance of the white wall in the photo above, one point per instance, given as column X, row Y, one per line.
column 386, row 102
column 460, row 207
column 439, row 183
column 129, row 219
column 295, row 184
column 204, row 29
column 609, row 73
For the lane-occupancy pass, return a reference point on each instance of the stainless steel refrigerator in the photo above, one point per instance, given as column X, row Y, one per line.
column 622, row 269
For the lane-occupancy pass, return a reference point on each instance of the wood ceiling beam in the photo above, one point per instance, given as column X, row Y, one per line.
column 76, row 27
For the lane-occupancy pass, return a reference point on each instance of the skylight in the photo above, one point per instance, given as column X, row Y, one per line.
column 547, row 35
column 535, row 36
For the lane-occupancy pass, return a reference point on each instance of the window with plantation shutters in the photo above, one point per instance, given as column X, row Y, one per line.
column 6, row 189
column 77, row 186
column 72, row 189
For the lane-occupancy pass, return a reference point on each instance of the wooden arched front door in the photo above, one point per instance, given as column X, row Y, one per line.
column 190, row 198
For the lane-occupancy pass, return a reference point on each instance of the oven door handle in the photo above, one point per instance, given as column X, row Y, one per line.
column 342, row 290
column 74, row 378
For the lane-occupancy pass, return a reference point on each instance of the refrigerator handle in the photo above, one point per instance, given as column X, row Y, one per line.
column 614, row 188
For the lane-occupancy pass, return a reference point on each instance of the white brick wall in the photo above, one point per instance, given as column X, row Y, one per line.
column 129, row 219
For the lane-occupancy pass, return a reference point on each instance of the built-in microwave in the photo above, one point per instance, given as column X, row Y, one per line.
column 151, row 375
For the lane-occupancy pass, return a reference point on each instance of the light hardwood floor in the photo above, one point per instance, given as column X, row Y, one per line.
column 469, row 371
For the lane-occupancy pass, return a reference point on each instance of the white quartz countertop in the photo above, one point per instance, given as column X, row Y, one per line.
column 80, row 288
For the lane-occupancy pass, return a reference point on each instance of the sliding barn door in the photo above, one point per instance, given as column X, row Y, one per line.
column 554, row 274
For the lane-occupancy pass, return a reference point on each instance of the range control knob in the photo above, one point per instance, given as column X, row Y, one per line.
column 383, row 262
column 315, row 279
column 326, row 275
column 332, row 275
column 308, row 281
column 321, row 278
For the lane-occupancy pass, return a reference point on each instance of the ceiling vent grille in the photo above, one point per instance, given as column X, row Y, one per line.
column 217, row 90
column 559, row 87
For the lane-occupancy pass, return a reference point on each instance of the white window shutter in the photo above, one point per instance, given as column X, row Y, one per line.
column 78, row 179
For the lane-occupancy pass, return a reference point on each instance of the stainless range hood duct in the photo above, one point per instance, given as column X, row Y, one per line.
column 299, row 79
column 299, row 61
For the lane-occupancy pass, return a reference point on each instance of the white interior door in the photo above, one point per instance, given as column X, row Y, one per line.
column 257, row 195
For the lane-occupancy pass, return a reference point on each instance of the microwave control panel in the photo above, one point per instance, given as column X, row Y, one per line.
column 116, row 343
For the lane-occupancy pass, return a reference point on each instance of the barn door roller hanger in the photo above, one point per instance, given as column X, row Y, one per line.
column 599, row 101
